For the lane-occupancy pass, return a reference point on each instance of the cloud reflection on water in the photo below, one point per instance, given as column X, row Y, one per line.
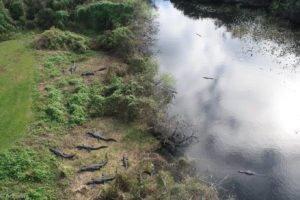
column 247, row 117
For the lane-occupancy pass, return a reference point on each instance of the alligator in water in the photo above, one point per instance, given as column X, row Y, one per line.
column 95, row 135
column 247, row 172
column 102, row 180
column 208, row 78
column 59, row 153
column 73, row 68
column 94, row 166
column 125, row 162
column 89, row 148
column 92, row 72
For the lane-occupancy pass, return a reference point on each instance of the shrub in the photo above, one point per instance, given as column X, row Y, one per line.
column 60, row 19
column 121, row 41
column 60, row 5
column 52, row 64
column 17, row 10
column 78, row 103
column 117, row 99
column 55, row 39
column 141, row 64
column 6, row 22
column 55, row 110
column 26, row 165
column 46, row 17
column 78, row 114
column 104, row 15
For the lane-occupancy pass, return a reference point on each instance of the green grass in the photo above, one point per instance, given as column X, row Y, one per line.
column 16, row 80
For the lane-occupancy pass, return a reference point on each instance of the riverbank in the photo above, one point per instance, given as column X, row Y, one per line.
column 118, row 101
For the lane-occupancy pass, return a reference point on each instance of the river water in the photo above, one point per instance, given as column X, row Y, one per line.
column 248, row 116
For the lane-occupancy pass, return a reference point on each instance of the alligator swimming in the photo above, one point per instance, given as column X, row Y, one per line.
column 73, row 68
column 208, row 78
column 95, row 135
column 92, row 72
column 247, row 172
column 102, row 180
column 94, row 166
column 125, row 162
column 89, row 148
column 61, row 154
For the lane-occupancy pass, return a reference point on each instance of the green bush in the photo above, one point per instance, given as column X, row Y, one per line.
column 78, row 114
column 141, row 64
column 55, row 110
column 55, row 39
column 46, row 17
column 53, row 64
column 117, row 99
column 104, row 15
column 78, row 103
column 26, row 165
column 17, row 10
column 60, row 19
column 60, row 5
column 6, row 22
column 120, row 40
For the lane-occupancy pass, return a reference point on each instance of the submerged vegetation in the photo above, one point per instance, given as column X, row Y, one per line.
column 121, row 101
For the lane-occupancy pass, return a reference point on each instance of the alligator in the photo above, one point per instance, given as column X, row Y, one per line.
column 208, row 78
column 92, row 72
column 73, row 68
column 102, row 180
column 89, row 148
column 247, row 172
column 125, row 162
column 94, row 166
column 95, row 135
column 61, row 154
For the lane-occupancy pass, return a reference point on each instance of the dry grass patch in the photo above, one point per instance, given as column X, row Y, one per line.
column 108, row 128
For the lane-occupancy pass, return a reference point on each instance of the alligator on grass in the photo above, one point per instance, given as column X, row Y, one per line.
column 89, row 73
column 89, row 148
column 102, row 180
column 94, row 166
column 96, row 135
column 61, row 154
column 73, row 68
column 125, row 162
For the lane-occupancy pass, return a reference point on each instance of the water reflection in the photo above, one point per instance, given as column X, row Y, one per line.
column 248, row 116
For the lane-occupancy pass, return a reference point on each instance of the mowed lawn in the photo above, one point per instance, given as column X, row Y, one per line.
column 16, row 81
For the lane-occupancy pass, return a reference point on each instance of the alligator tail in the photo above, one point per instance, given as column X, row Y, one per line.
column 101, row 147
column 89, row 183
column 70, row 156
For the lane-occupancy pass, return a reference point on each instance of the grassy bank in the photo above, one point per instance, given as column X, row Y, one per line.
column 16, row 81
